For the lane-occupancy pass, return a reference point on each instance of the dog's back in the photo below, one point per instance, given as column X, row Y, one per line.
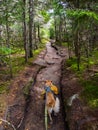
column 50, row 101
column 53, row 104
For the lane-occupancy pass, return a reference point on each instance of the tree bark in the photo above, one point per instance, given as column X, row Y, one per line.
column 8, row 40
column 31, row 6
column 35, row 45
column 55, row 28
column 24, row 32
column 39, row 33
column 60, row 29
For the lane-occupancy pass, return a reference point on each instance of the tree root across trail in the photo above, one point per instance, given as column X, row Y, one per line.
column 27, row 113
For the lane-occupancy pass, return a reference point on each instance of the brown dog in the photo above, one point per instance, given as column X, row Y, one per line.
column 53, row 104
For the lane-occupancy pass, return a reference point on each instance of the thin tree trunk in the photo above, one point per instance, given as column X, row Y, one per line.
column 0, row 32
column 8, row 40
column 64, row 30
column 60, row 32
column 31, row 6
column 77, row 42
column 24, row 32
column 56, row 30
column 39, row 34
column 35, row 46
column 78, row 56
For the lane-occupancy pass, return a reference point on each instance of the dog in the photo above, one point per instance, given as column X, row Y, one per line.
column 52, row 101
column 52, row 86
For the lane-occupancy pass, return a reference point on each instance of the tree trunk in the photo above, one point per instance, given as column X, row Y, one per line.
column 8, row 40
column 39, row 33
column 60, row 30
column 35, row 46
column 55, row 28
column 31, row 6
column 0, row 32
column 24, row 32
column 77, row 42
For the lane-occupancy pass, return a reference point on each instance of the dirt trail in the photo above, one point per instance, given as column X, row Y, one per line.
column 34, row 115
column 25, row 107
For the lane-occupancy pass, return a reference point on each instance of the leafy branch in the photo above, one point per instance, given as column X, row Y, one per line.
column 80, row 14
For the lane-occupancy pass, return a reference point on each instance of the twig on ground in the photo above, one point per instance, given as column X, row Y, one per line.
column 2, row 120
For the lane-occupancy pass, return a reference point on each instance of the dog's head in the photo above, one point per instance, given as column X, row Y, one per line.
column 48, row 83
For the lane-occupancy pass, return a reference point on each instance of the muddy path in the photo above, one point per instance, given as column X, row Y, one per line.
column 34, row 113
column 26, row 108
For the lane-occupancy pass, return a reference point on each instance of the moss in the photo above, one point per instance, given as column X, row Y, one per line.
column 18, row 64
column 65, row 44
column 26, row 89
column 71, row 61
column 36, row 52
column 90, row 92
column 90, row 86
column 4, row 87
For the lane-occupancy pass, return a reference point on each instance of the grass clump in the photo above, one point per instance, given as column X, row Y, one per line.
column 26, row 89
column 18, row 64
column 72, row 63
column 4, row 87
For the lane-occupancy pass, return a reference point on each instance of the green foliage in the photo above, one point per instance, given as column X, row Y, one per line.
column 90, row 92
column 18, row 64
column 72, row 63
column 2, row 89
column 58, row 8
column 65, row 44
column 44, row 33
column 46, row 15
column 5, row 50
column 82, row 14
column 43, row 43
column 95, row 57
column 37, row 52
column 52, row 33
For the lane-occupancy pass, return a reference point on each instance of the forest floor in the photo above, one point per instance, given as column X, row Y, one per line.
column 25, row 107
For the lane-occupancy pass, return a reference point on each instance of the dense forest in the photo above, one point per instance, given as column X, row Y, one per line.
column 27, row 25
column 23, row 25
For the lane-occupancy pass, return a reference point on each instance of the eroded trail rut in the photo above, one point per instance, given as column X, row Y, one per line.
column 34, row 114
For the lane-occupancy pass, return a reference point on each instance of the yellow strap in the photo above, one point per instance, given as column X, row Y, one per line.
column 54, row 89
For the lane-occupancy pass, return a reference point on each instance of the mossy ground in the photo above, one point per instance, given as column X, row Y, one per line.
column 90, row 85
column 90, row 91
column 18, row 66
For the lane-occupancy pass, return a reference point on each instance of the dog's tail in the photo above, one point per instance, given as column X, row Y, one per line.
column 57, row 105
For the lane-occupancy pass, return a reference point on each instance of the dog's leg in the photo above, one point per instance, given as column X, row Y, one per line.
column 50, row 117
